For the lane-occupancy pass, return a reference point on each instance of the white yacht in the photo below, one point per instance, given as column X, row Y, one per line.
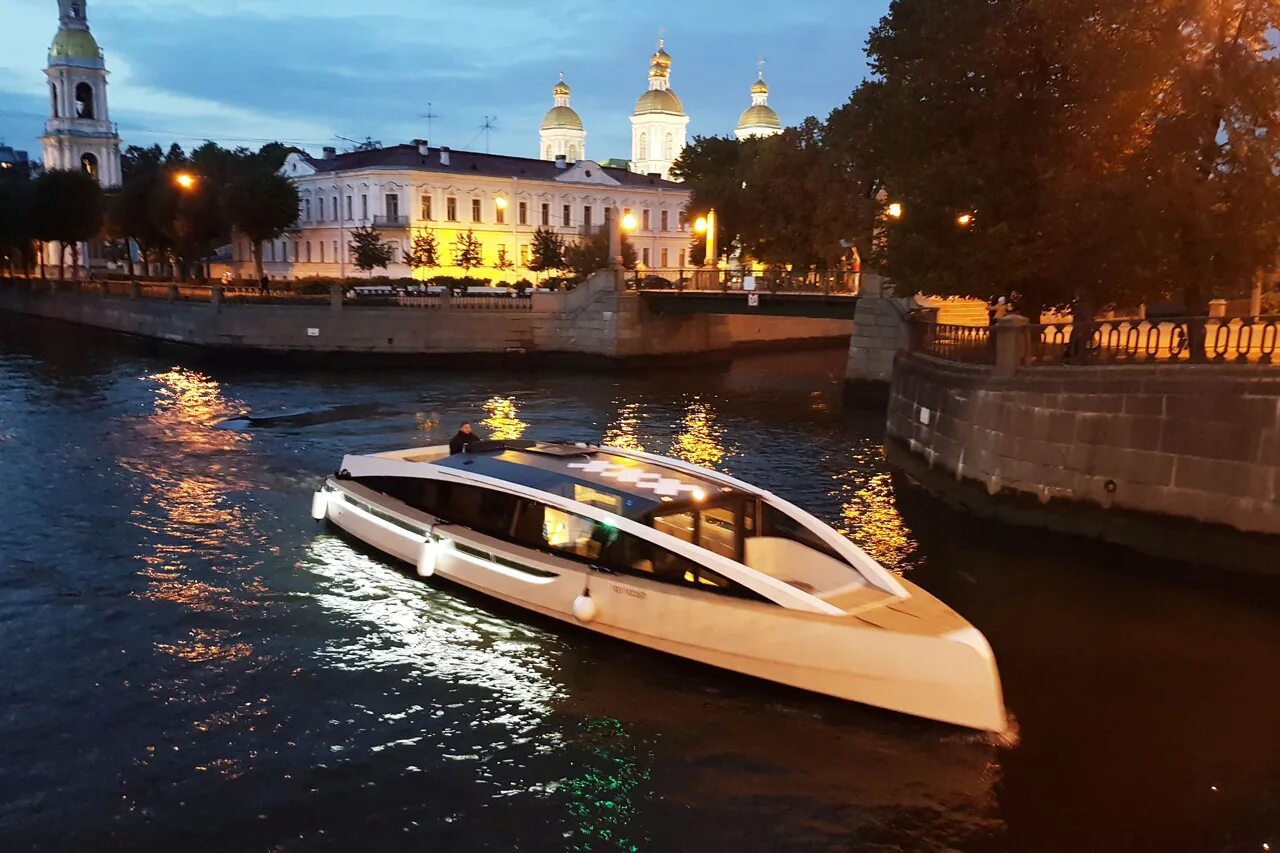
column 673, row 557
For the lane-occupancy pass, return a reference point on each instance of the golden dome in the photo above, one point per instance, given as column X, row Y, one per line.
column 659, row 101
column 760, row 88
column 760, row 115
column 75, row 44
column 561, row 117
column 660, row 59
column 562, row 88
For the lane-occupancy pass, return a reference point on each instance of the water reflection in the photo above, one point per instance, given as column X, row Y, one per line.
column 503, row 422
column 603, row 801
column 701, row 439
column 624, row 431
column 869, row 512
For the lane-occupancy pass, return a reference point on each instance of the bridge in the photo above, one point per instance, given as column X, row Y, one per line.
column 713, row 291
column 827, row 306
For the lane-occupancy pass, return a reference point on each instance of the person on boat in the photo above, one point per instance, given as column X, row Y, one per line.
column 463, row 439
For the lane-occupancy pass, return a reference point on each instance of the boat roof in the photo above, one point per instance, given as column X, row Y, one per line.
column 558, row 467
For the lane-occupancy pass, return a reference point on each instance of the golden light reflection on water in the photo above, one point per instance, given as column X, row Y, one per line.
column 701, row 439
column 869, row 513
column 207, row 646
column 623, row 433
column 503, row 422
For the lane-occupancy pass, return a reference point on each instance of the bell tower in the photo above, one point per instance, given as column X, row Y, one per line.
column 79, row 133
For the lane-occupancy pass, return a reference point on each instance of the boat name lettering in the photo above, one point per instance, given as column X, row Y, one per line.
column 626, row 590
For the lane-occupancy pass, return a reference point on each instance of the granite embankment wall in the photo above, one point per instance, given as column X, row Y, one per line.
column 596, row 319
column 1130, row 454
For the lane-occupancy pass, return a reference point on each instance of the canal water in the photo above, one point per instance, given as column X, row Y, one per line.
column 190, row 663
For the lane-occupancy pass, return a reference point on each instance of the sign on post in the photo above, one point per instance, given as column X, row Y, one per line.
column 753, row 300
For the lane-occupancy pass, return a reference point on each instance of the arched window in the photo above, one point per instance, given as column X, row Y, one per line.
column 89, row 165
column 643, row 151
column 669, row 148
column 573, row 153
column 53, row 99
column 75, row 10
column 549, row 155
column 84, row 100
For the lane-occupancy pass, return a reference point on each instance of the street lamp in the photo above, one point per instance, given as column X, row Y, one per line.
column 185, row 180
column 501, row 202
column 700, row 225
column 964, row 220
column 894, row 210
column 629, row 222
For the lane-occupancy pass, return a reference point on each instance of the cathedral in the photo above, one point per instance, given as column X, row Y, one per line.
column 79, row 133
column 658, row 124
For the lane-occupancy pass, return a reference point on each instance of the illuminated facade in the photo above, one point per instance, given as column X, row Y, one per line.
column 759, row 119
column 407, row 190
column 79, row 133
column 562, row 133
column 659, row 123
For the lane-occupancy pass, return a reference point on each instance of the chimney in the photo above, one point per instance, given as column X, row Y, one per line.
column 444, row 156
column 562, row 162
column 423, row 148
column 330, row 152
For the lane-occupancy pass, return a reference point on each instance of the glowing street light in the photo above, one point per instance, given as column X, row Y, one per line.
column 629, row 222
column 185, row 180
column 700, row 225
column 894, row 210
column 501, row 202
column 964, row 220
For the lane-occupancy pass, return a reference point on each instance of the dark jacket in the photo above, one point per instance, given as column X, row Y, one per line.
column 461, row 441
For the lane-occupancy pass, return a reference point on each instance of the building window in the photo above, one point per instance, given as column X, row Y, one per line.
column 335, row 252
column 644, row 147
column 567, row 217
column 524, row 254
column 364, row 208
column 53, row 98
column 586, row 216
column 475, row 210
column 666, row 259
column 550, row 156
column 451, row 209
column 644, row 219
column 335, row 208
column 393, row 208
column 546, row 214
column 665, row 220
column 297, row 251
column 524, row 213
column 644, row 256
column 502, row 256
column 320, row 201
column 320, row 244
column 348, row 208
column 669, row 148
column 426, row 207
column 89, row 165
column 308, row 251
column 306, row 210
column 271, row 247
column 84, row 100
column 684, row 220
column 500, row 214
column 284, row 251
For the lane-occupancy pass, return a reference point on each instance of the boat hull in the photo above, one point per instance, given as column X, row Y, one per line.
column 949, row 677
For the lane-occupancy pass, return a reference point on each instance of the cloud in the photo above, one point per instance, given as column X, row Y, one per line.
column 307, row 71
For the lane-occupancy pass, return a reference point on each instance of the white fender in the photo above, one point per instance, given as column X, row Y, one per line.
column 320, row 505
column 584, row 607
column 427, row 553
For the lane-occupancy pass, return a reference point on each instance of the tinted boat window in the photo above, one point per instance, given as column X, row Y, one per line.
column 718, row 531
column 774, row 522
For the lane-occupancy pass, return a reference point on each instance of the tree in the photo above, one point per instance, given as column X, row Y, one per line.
column 467, row 251
column 17, row 235
column 368, row 251
column 67, row 208
column 1118, row 151
column 547, row 254
column 261, row 205
column 425, row 252
column 592, row 254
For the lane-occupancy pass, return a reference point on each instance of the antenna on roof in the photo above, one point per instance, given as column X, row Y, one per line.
column 429, row 115
column 487, row 129
column 369, row 143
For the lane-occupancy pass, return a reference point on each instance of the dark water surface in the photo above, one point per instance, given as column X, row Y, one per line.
column 190, row 663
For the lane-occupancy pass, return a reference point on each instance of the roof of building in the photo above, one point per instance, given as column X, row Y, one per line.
column 659, row 101
column 74, row 44
column 562, row 117
column 760, row 115
column 469, row 163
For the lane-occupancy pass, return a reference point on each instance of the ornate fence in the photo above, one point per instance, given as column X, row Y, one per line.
column 767, row 281
column 1238, row 340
